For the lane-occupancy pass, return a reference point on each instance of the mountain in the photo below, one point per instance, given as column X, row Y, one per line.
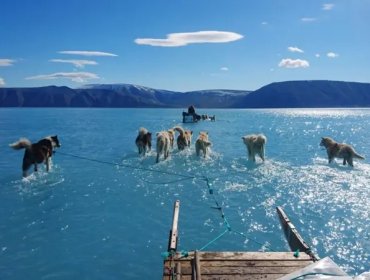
column 290, row 94
column 309, row 94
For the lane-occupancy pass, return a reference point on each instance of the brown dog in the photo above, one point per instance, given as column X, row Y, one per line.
column 171, row 134
column 184, row 139
column 339, row 150
column 202, row 143
column 163, row 144
column 36, row 153
column 255, row 145
column 143, row 141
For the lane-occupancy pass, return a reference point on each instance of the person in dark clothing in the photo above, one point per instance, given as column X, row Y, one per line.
column 191, row 110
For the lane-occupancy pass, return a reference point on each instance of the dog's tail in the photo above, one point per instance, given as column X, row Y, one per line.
column 180, row 130
column 356, row 155
column 22, row 143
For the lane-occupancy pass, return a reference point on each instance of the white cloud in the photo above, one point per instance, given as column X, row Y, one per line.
column 224, row 69
column 88, row 53
column 6, row 62
column 294, row 63
column 2, row 82
column 327, row 7
column 332, row 55
column 77, row 63
column 183, row 39
column 317, row 55
column 264, row 22
column 295, row 49
column 308, row 19
column 78, row 77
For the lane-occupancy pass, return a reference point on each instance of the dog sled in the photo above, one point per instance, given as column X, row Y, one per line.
column 192, row 117
column 300, row 263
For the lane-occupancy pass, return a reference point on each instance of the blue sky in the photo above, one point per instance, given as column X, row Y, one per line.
column 183, row 45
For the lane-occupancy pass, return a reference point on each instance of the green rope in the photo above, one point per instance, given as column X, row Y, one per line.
column 213, row 240
column 184, row 178
column 129, row 166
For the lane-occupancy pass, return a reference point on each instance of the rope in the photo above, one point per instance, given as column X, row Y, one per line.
column 225, row 221
column 129, row 166
column 211, row 192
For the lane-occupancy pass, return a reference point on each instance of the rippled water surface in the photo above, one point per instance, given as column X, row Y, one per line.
column 105, row 213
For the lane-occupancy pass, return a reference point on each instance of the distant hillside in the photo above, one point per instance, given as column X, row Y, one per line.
column 292, row 94
column 309, row 94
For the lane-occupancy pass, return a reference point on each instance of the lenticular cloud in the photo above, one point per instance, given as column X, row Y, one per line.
column 79, row 77
column 183, row 39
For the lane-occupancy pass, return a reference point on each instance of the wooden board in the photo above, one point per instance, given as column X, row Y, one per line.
column 238, row 265
column 245, row 256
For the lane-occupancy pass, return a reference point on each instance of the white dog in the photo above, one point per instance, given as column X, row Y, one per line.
column 255, row 145
column 202, row 143
column 163, row 144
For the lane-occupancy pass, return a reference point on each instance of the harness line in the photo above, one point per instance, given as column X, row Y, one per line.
column 184, row 178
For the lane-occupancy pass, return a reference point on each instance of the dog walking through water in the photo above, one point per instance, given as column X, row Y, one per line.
column 36, row 153
column 163, row 144
column 143, row 141
column 184, row 138
column 202, row 143
column 339, row 150
column 255, row 145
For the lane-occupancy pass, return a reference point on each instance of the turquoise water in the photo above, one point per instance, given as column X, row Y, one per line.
column 103, row 219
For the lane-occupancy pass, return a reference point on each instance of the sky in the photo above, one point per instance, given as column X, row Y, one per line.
column 183, row 45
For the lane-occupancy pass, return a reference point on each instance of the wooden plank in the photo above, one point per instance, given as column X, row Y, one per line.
column 295, row 240
column 215, row 270
column 236, row 277
column 178, row 271
column 246, row 256
column 246, row 263
column 197, row 266
column 172, row 246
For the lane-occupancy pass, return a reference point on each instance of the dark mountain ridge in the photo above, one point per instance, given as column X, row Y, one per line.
column 290, row 94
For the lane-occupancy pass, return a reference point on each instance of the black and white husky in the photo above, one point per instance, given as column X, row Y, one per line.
column 143, row 141
column 36, row 153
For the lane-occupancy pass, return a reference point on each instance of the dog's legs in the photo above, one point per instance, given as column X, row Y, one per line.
column 253, row 155
column 344, row 161
column 25, row 166
column 260, row 153
column 157, row 160
column 263, row 153
column 47, row 164
column 249, row 153
column 350, row 161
